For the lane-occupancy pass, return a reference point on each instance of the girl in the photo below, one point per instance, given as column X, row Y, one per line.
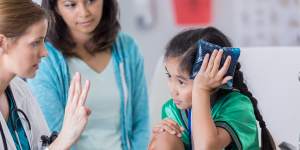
column 84, row 36
column 23, row 27
column 221, row 119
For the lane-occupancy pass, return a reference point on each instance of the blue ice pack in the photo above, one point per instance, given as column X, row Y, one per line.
column 206, row 47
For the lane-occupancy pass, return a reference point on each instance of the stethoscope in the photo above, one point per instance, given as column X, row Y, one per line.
column 18, row 113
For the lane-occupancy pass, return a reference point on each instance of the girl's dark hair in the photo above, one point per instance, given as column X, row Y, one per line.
column 184, row 46
column 103, row 37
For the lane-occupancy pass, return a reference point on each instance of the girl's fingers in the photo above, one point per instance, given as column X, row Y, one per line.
column 222, row 72
column 182, row 129
column 159, row 127
column 170, row 121
column 217, row 62
column 156, row 129
column 204, row 63
column 171, row 128
column 168, row 125
column 211, row 61
column 179, row 135
column 226, row 79
column 173, row 125
column 84, row 93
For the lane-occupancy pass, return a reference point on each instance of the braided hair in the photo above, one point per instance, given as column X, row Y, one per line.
column 238, row 83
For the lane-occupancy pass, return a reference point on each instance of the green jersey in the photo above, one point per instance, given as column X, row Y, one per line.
column 233, row 112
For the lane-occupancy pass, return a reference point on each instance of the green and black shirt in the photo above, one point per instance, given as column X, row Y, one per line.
column 233, row 112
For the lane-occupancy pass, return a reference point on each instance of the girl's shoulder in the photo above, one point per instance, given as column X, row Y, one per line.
column 233, row 102
column 169, row 103
column 169, row 106
column 234, row 98
column 234, row 112
column 170, row 110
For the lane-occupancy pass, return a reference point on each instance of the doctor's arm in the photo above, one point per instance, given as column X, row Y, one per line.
column 76, row 115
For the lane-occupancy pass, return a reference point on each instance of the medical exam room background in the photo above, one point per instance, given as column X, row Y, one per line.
column 259, row 24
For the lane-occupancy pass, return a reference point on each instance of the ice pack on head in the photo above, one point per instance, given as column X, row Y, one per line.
column 204, row 48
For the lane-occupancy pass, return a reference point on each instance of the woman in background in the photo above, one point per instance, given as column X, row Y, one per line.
column 84, row 36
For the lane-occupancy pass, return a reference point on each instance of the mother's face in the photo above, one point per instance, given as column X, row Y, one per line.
column 81, row 16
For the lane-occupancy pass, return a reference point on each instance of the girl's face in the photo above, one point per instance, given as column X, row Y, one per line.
column 179, row 83
column 21, row 56
column 81, row 16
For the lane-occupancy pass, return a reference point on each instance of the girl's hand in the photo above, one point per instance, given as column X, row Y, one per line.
column 210, row 77
column 76, row 115
column 170, row 126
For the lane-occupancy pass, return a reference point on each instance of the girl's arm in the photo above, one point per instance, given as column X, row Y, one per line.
column 206, row 136
column 204, row 131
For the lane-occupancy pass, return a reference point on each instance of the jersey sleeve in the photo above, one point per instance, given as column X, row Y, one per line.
column 236, row 116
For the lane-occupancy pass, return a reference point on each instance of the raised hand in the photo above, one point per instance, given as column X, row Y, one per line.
column 210, row 77
column 76, row 115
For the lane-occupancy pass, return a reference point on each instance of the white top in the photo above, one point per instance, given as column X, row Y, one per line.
column 26, row 102
column 103, row 130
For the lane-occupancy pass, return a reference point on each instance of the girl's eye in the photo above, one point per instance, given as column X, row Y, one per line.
column 181, row 82
column 168, row 75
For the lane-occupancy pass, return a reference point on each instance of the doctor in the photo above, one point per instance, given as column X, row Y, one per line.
column 23, row 27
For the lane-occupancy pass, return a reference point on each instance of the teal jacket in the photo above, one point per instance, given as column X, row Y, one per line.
column 51, row 83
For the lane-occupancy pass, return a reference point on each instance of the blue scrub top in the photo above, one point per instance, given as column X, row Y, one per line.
column 14, row 121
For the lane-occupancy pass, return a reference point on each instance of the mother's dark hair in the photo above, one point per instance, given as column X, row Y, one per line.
column 184, row 46
column 104, row 35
